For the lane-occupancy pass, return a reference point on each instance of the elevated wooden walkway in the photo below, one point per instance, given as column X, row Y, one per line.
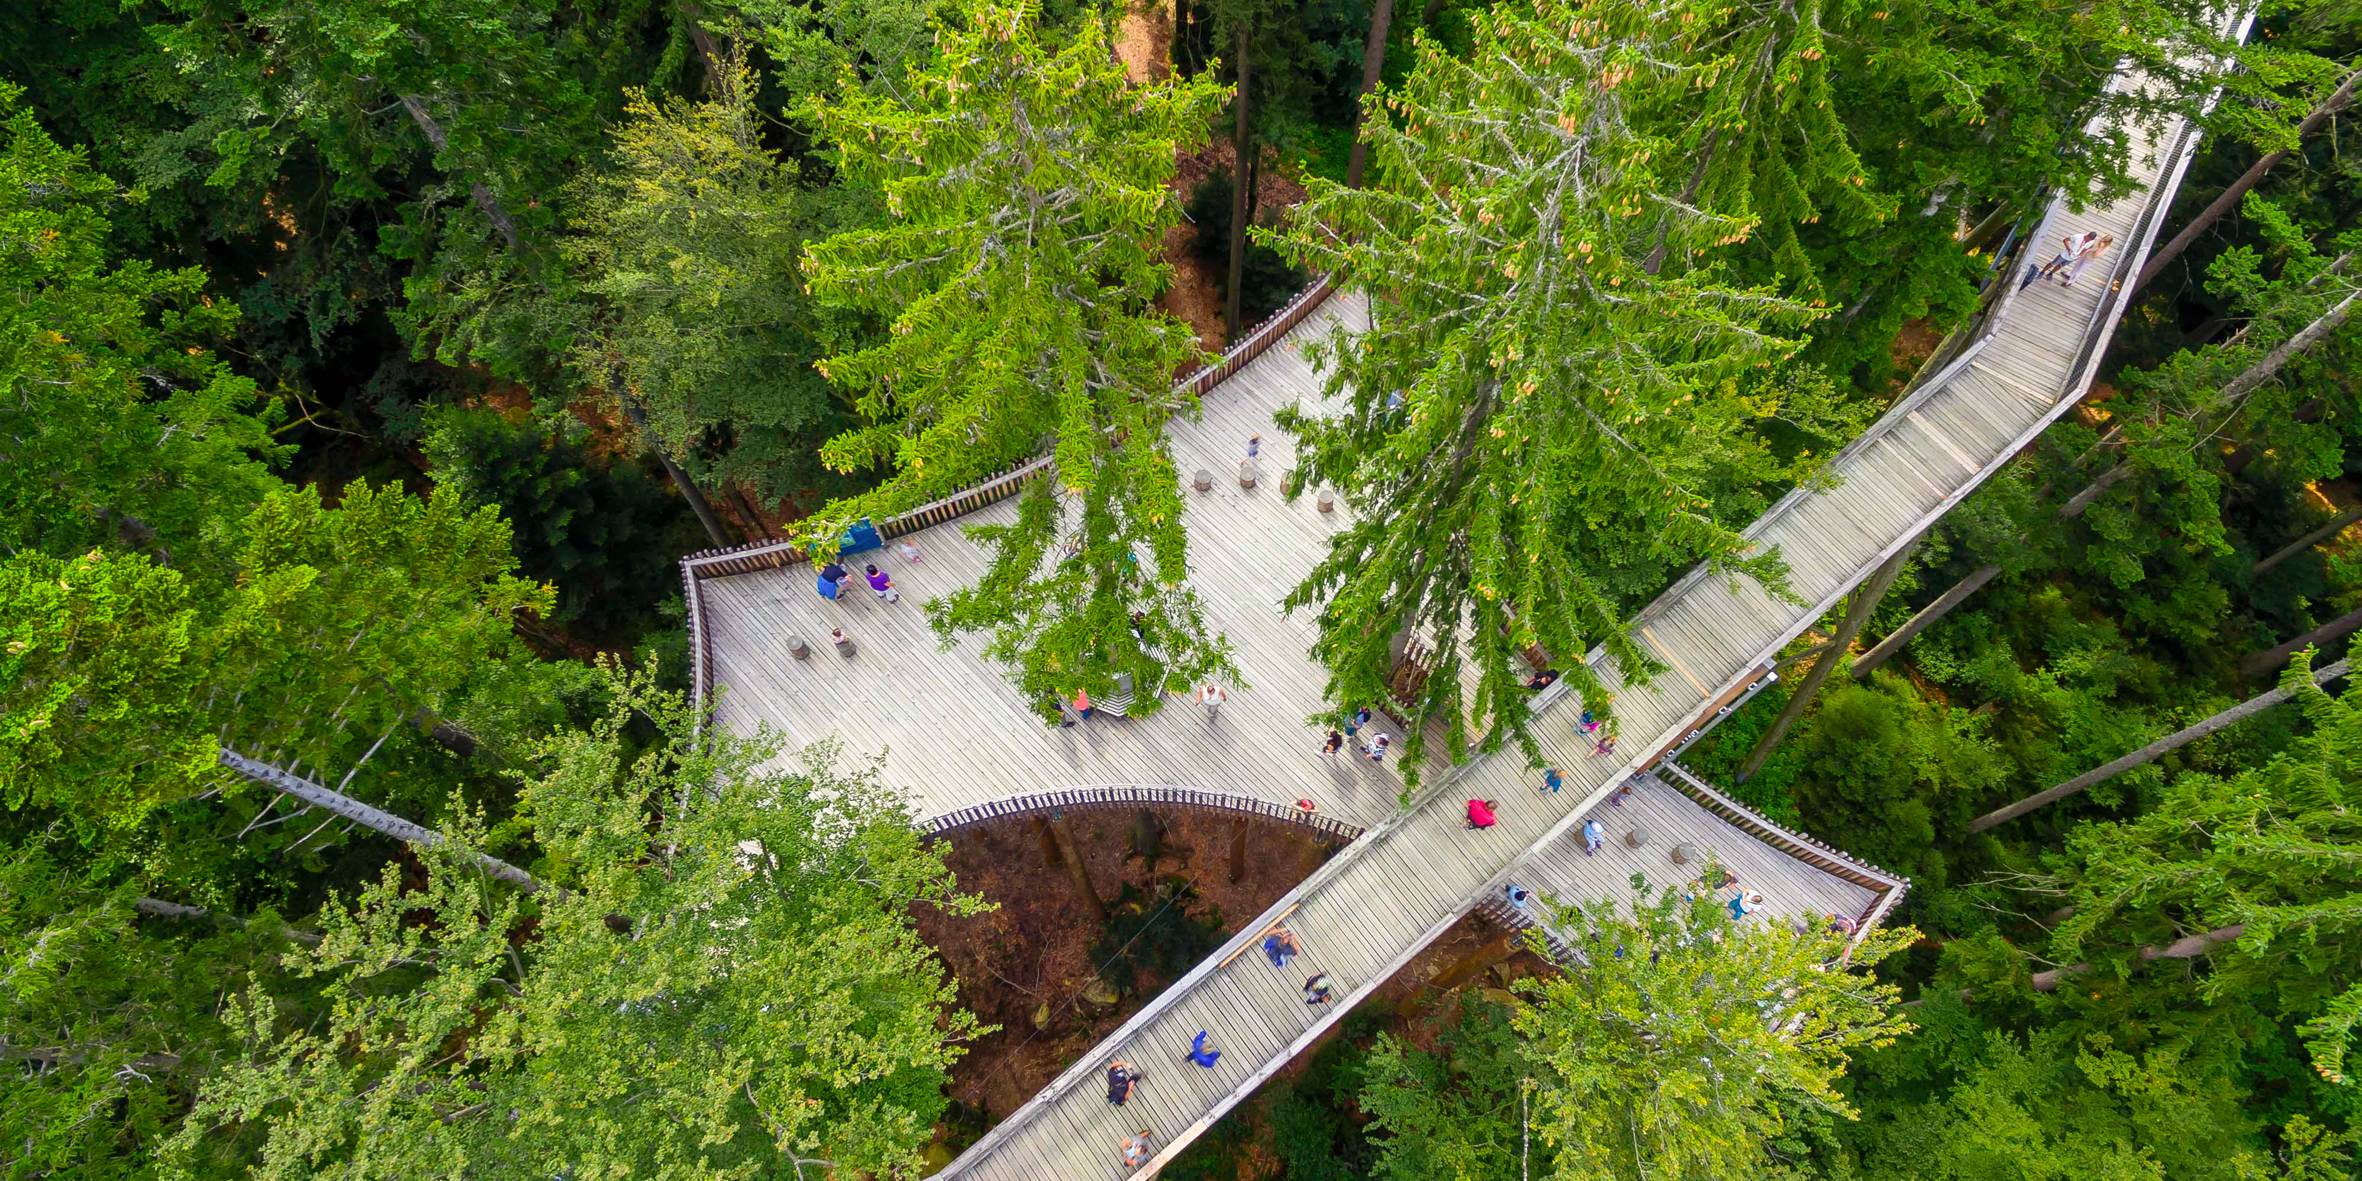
column 1368, row 910
column 946, row 729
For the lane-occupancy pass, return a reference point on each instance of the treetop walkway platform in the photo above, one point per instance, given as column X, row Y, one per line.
column 949, row 731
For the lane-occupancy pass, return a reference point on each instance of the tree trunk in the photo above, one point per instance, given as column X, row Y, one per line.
column 1373, row 62
column 2335, row 526
column 1857, row 613
column 1241, row 184
column 2263, row 370
column 745, row 504
column 1238, row 850
column 2258, row 663
column 2147, row 754
column 709, row 53
column 488, row 204
column 367, row 817
column 2247, row 180
column 1985, row 232
column 1697, row 176
column 690, row 492
column 159, row 908
column 1943, row 605
column 1074, row 867
column 2184, row 948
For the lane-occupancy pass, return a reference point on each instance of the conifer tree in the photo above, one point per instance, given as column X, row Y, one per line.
column 1543, row 430
column 1026, row 184
column 728, row 987
column 1688, row 1040
column 2261, row 861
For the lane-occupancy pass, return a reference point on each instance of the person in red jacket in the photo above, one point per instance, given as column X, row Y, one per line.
column 1480, row 814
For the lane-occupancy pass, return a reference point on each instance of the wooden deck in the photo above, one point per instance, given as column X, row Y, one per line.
column 947, row 729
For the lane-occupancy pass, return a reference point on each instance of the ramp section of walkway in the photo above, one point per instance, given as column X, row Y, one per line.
column 1370, row 909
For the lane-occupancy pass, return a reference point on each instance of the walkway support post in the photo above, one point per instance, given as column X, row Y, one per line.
column 1857, row 612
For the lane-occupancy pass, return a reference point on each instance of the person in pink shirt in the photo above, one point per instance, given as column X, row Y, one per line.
column 1480, row 814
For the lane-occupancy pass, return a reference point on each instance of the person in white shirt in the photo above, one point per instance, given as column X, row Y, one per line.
column 1212, row 696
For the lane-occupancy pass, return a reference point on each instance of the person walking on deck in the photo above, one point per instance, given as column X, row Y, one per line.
column 1199, row 1054
column 827, row 587
column 1212, row 696
column 1594, row 837
column 882, row 585
column 1335, row 743
column 1280, row 947
column 1082, row 704
column 1121, row 1079
column 1377, row 748
column 1360, row 718
column 1743, row 904
column 1552, row 780
column 1319, row 989
column 2084, row 259
column 1136, row 1149
column 2070, row 245
column 1254, row 446
column 1518, row 896
column 1481, row 815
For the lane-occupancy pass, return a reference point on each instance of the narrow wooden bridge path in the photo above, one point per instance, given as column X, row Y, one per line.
column 946, row 729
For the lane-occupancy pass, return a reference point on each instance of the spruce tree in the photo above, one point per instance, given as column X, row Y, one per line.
column 1026, row 184
column 1543, row 429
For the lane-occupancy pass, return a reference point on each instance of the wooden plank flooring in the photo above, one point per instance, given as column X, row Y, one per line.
column 944, row 727
column 1371, row 907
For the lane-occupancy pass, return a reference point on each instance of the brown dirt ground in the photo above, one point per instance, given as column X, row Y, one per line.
column 1143, row 40
column 1037, row 945
column 1194, row 294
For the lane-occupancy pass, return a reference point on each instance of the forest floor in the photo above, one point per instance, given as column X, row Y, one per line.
column 1032, row 965
column 1196, row 292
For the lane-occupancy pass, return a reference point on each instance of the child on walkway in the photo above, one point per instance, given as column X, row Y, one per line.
column 1360, row 718
column 882, row 584
column 1136, row 1150
column 1552, row 781
column 1335, row 743
column 1317, row 989
column 1594, row 837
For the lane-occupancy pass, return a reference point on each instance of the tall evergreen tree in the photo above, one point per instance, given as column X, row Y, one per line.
column 1545, row 430
column 729, row 986
column 1026, row 183
column 2263, row 859
column 1688, row 1041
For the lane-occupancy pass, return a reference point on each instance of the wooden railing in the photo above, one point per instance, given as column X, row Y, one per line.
column 1104, row 796
column 773, row 555
column 1810, row 850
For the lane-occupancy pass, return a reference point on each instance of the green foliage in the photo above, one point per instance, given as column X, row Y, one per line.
column 604, row 536
column 1026, row 186
column 1268, row 282
column 2268, row 851
column 684, row 248
column 1458, row 1112
column 118, row 425
column 1548, row 429
column 1687, row 1040
column 632, row 1024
